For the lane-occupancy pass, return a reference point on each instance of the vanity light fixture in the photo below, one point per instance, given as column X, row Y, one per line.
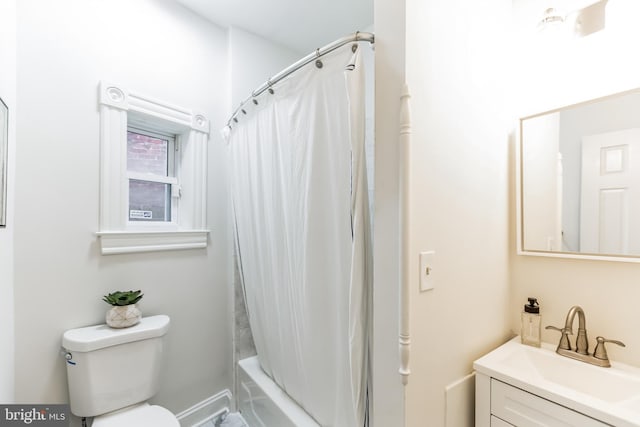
column 551, row 17
column 577, row 17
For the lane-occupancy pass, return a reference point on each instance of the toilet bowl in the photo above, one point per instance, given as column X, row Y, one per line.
column 100, row 387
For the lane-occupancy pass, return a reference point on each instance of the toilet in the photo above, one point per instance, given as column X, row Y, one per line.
column 113, row 372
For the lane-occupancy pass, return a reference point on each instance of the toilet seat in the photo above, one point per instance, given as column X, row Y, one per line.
column 143, row 415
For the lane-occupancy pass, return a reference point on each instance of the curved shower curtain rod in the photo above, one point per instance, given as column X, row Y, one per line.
column 355, row 37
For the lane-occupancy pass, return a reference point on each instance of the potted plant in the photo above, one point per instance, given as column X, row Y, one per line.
column 124, row 311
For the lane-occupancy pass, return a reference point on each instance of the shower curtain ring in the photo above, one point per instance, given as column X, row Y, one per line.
column 269, row 85
column 318, row 61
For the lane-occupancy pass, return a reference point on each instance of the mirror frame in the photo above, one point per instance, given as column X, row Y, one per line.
column 520, row 249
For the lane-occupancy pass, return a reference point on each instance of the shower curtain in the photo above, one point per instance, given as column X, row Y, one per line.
column 302, row 228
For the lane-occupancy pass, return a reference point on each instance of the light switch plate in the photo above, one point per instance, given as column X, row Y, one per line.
column 427, row 270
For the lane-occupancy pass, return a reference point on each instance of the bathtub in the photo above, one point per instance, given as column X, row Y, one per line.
column 263, row 404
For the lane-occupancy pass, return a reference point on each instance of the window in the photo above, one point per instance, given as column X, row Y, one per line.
column 153, row 174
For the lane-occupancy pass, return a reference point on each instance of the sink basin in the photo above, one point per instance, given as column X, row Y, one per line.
column 608, row 384
column 610, row 394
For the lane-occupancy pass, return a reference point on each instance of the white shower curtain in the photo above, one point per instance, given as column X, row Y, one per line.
column 300, row 201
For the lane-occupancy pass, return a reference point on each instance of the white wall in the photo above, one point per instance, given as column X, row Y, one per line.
column 388, row 398
column 457, row 58
column 160, row 49
column 554, row 74
column 253, row 60
column 8, row 95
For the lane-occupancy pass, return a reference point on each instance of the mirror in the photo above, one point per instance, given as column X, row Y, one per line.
column 579, row 172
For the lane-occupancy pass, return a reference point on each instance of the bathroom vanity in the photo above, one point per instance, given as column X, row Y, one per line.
column 518, row 385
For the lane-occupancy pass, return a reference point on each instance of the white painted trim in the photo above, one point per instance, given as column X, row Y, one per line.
column 205, row 410
column 123, row 242
column 118, row 108
column 115, row 96
column 113, row 159
column 404, row 337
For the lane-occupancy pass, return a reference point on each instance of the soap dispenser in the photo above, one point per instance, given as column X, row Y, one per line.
column 530, row 323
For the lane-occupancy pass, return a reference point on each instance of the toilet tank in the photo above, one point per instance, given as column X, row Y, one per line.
column 109, row 369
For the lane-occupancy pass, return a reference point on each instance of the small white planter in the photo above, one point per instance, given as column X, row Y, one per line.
column 123, row 316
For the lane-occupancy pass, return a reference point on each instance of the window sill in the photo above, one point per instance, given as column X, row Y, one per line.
column 126, row 242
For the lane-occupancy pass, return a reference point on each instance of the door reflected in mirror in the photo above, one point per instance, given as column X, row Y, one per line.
column 580, row 179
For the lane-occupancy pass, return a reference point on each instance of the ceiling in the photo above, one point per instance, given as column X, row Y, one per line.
column 301, row 25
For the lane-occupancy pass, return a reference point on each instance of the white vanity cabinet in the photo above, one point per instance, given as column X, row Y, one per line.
column 522, row 386
column 510, row 406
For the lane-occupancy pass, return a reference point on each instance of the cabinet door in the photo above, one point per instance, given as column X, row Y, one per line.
column 524, row 409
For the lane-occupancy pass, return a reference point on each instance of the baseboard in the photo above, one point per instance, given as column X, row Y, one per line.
column 206, row 410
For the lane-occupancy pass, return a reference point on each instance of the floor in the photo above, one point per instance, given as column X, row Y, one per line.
column 231, row 420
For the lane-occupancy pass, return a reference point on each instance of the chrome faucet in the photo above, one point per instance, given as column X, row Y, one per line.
column 599, row 357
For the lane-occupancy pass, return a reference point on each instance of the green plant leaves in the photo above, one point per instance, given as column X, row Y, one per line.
column 123, row 297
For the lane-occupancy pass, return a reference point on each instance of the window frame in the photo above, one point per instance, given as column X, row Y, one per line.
column 119, row 110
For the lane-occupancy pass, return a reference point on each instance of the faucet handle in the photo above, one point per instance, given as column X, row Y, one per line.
column 564, row 339
column 600, row 351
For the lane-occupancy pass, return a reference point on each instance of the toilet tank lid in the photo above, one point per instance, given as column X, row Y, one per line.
column 96, row 337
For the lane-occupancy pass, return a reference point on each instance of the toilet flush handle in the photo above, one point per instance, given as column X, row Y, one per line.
column 67, row 356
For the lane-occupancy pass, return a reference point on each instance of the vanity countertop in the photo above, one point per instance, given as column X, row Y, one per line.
column 611, row 395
